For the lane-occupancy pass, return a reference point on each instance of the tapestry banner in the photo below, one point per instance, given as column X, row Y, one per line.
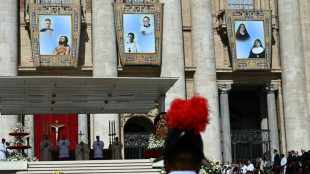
column 249, row 36
column 55, row 34
column 139, row 33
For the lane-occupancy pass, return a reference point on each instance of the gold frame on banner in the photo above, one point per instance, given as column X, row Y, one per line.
column 250, row 50
column 137, row 11
column 72, row 12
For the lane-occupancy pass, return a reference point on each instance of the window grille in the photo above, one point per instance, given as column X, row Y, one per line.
column 55, row 1
column 139, row 1
column 240, row 4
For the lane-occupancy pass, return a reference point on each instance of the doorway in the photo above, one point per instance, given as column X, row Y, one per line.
column 137, row 131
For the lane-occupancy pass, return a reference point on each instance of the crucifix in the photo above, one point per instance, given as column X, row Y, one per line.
column 81, row 134
column 57, row 126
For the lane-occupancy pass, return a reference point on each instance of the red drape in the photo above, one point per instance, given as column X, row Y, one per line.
column 70, row 122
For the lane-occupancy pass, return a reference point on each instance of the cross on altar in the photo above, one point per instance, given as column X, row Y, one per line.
column 81, row 134
column 57, row 126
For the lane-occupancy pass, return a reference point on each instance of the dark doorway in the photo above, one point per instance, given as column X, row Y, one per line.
column 249, row 141
column 137, row 132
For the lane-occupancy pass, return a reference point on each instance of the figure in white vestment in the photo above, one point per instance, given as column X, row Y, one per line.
column 82, row 151
column 98, row 148
column 2, row 149
column 146, row 28
column 131, row 46
column 63, row 148
column 8, row 151
column 46, row 147
column 117, row 149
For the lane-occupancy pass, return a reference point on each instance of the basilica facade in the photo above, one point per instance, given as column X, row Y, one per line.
column 252, row 111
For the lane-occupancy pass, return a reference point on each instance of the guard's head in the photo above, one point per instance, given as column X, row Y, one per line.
column 183, row 151
column 116, row 138
column 97, row 137
column 3, row 140
column 63, row 136
column 183, row 145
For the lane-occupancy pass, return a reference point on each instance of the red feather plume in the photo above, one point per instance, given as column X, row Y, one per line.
column 189, row 114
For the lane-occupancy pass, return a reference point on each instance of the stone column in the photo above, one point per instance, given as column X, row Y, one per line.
column 224, row 105
column 293, row 75
column 263, row 117
column 272, row 117
column 173, row 53
column 83, row 128
column 29, row 125
column 281, row 119
column 9, row 55
column 304, row 6
column 205, row 83
column 104, row 59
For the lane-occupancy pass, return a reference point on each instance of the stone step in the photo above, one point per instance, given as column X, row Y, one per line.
column 138, row 171
column 92, row 167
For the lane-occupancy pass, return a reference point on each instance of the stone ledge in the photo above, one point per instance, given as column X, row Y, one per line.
column 13, row 165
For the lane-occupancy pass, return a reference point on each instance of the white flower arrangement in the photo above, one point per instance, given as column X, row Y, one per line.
column 18, row 140
column 17, row 156
column 207, row 170
column 19, row 128
column 155, row 144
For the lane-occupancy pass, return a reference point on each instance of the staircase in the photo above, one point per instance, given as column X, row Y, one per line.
column 92, row 167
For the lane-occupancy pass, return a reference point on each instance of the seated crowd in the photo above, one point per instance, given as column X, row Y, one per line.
column 292, row 164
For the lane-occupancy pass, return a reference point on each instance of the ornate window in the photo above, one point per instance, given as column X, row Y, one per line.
column 240, row 4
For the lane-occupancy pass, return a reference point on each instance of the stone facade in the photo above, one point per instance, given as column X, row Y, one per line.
column 183, row 58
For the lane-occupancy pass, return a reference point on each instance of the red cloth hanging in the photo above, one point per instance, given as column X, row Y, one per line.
column 70, row 129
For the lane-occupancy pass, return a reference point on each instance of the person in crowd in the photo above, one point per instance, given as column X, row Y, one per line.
column 243, row 168
column 276, row 160
column 283, row 162
column 288, row 164
column 303, row 160
column 297, row 161
column 250, row 166
column 236, row 169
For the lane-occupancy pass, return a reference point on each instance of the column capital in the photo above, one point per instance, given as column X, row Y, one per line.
column 271, row 88
column 224, row 88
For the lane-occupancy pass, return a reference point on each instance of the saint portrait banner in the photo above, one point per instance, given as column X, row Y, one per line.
column 55, row 34
column 249, row 36
column 139, row 33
